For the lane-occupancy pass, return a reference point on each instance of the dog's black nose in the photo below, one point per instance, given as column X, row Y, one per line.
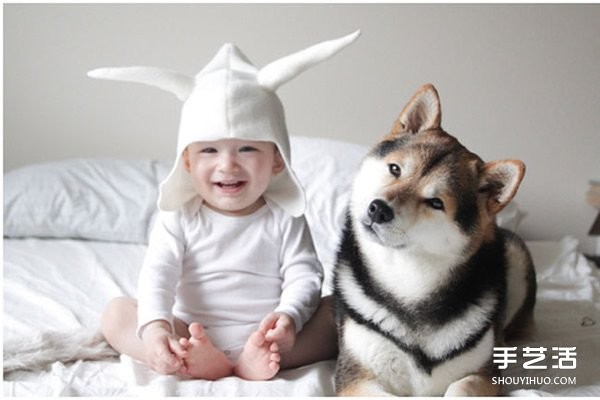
column 380, row 212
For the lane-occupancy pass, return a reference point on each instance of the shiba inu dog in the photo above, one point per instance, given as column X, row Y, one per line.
column 426, row 283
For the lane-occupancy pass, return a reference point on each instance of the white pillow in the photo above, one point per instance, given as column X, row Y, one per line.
column 510, row 217
column 96, row 199
column 326, row 169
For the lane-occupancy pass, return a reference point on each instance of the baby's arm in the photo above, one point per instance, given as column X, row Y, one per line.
column 164, row 353
column 157, row 284
column 280, row 328
column 301, row 272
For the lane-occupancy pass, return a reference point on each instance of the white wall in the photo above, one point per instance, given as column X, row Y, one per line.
column 516, row 81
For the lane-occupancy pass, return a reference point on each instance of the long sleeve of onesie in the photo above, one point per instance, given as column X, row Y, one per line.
column 161, row 271
column 301, row 271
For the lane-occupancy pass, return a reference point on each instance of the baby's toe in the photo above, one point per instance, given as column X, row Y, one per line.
column 196, row 331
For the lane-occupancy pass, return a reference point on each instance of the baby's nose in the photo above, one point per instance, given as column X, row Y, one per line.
column 228, row 161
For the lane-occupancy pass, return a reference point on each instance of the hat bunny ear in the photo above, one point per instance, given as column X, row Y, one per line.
column 178, row 84
column 287, row 68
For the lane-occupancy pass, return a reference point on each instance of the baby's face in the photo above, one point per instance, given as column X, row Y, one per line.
column 232, row 175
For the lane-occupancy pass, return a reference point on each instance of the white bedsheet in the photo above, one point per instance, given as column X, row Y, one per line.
column 64, row 284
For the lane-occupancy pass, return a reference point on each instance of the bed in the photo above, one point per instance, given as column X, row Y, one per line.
column 75, row 234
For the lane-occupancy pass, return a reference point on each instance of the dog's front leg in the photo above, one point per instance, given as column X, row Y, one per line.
column 473, row 385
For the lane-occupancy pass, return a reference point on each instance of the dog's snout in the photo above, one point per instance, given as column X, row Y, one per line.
column 380, row 212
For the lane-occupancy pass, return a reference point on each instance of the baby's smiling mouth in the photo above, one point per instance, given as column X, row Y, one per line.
column 230, row 185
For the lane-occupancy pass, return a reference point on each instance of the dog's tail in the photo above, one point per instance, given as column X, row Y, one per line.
column 38, row 351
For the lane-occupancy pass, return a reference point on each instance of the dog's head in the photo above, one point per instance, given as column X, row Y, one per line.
column 419, row 189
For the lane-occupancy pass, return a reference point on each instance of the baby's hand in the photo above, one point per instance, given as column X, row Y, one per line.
column 164, row 353
column 279, row 328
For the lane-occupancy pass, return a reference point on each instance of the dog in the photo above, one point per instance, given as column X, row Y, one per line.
column 425, row 282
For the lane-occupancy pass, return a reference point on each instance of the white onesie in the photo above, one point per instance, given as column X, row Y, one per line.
column 228, row 273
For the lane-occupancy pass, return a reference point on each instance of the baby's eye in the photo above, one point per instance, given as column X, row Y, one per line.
column 208, row 150
column 246, row 149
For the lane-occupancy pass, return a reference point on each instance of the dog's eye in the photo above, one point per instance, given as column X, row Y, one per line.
column 394, row 170
column 435, row 203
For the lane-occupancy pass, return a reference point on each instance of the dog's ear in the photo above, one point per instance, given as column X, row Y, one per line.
column 499, row 181
column 422, row 112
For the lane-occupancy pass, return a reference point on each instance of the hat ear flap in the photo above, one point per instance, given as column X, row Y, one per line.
column 275, row 74
column 174, row 82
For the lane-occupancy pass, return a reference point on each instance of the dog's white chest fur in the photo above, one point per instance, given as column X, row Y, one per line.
column 397, row 371
column 406, row 275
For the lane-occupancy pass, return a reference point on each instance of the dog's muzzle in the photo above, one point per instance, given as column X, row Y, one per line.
column 379, row 212
column 376, row 223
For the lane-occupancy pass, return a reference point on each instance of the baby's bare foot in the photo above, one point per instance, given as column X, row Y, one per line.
column 204, row 360
column 259, row 359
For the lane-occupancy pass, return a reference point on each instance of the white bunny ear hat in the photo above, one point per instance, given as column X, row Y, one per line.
column 231, row 98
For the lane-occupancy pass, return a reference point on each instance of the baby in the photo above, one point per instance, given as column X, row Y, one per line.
column 230, row 282
column 231, row 271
